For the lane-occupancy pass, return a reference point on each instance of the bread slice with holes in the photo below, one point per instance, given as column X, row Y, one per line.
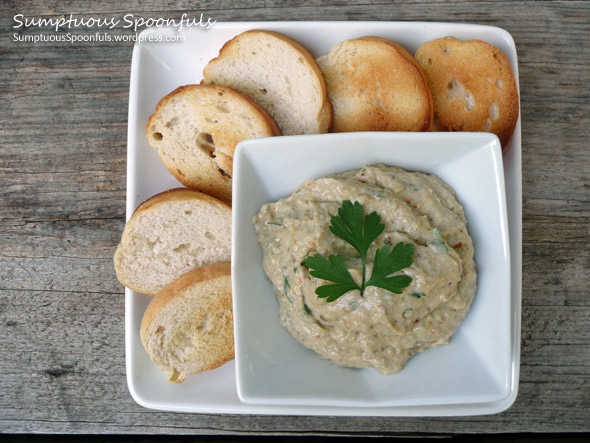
column 188, row 326
column 376, row 85
column 472, row 85
column 279, row 74
column 170, row 234
column 195, row 130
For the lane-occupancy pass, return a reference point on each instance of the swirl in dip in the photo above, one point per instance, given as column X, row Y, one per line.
column 379, row 329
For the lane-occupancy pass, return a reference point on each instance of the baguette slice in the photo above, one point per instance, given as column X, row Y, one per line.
column 188, row 326
column 280, row 75
column 472, row 85
column 196, row 129
column 376, row 85
column 170, row 234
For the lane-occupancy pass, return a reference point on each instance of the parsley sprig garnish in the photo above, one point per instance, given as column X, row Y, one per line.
column 351, row 226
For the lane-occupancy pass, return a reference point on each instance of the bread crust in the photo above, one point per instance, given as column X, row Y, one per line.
column 171, row 195
column 271, row 124
column 191, row 278
column 323, row 115
column 473, row 87
column 225, row 350
column 368, row 80
column 208, row 170
column 176, row 194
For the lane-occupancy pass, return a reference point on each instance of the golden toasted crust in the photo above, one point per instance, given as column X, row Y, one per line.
column 250, row 40
column 472, row 85
column 376, row 85
column 205, row 111
column 210, row 352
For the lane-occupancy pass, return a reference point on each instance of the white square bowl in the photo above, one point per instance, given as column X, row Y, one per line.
column 272, row 368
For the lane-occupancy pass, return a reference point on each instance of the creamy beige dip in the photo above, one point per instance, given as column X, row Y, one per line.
column 379, row 329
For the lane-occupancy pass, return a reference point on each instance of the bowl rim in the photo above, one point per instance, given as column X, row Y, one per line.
column 246, row 150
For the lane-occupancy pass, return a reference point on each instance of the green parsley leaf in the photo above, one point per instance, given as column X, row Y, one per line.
column 333, row 269
column 388, row 261
column 359, row 231
column 349, row 226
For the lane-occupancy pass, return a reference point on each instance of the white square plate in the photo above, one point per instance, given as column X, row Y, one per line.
column 272, row 368
column 157, row 69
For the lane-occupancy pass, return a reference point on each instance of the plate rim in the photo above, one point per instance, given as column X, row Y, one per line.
column 514, row 213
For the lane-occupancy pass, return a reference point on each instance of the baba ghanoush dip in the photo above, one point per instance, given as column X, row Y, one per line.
column 378, row 329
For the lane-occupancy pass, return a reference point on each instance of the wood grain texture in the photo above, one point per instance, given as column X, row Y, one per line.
column 63, row 121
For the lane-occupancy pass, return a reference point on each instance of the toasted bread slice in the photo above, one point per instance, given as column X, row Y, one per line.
column 472, row 85
column 196, row 129
column 170, row 234
column 188, row 326
column 376, row 85
column 279, row 74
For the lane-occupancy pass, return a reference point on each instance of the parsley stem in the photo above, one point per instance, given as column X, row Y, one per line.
column 362, row 288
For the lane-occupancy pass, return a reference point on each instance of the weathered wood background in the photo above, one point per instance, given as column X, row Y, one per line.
column 63, row 122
